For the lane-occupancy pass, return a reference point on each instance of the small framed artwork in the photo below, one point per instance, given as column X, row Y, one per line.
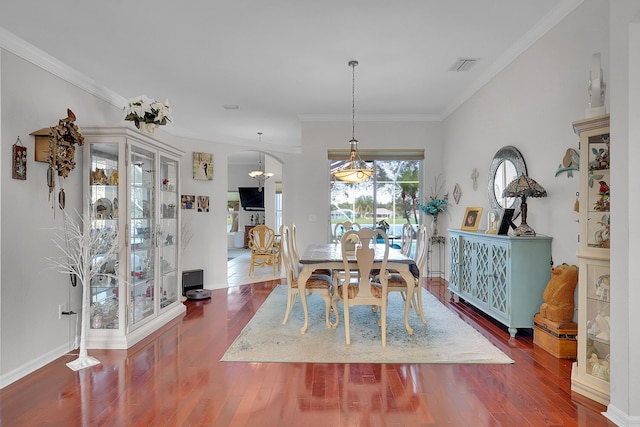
column 188, row 202
column 203, row 203
column 471, row 219
column 457, row 192
column 506, row 221
column 19, row 165
column 203, row 166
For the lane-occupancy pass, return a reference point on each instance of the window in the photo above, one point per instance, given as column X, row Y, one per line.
column 391, row 195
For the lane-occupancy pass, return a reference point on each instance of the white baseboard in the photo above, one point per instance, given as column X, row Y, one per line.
column 619, row 418
column 34, row 365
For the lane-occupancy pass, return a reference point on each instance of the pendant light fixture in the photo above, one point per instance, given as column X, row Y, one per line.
column 259, row 174
column 356, row 170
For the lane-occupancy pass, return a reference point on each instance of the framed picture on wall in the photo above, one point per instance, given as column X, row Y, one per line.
column 203, row 203
column 202, row 166
column 188, row 201
column 471, row 219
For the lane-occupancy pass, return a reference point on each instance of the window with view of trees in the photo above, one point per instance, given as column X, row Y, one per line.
column 391, row 195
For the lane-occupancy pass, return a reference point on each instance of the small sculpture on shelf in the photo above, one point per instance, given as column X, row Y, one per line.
column 558, row 299
column 602, row 236
column 113, row 177
column 98, row 177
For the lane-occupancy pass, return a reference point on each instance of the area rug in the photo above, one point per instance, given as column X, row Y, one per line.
column 444, row 339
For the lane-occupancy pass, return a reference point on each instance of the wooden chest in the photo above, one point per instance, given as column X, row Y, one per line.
column 557, row 338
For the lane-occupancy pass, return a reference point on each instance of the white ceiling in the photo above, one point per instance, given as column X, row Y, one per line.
column 283, row 61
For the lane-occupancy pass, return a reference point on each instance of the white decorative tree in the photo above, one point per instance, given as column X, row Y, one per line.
column 85, row 253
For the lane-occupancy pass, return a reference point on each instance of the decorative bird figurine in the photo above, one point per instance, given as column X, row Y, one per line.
column 604, row 187
column 570, row 162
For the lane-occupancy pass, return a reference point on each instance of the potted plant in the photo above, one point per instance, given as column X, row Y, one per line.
column 147, row 113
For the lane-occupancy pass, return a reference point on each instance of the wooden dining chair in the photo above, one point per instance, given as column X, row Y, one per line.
column 340, row 228
column 356, row 287
column 264, row 248
column 396, row 282
column 316, row 284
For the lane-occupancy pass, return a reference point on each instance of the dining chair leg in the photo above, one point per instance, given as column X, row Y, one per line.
column 345, row 308
column 291, row 300
column 417, row 303
column 327, row 310
column 383, row 318
column 336, row 315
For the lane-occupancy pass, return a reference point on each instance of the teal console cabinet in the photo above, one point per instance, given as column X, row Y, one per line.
column 504, row 276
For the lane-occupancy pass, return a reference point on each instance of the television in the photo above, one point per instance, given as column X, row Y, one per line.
column 251, row 199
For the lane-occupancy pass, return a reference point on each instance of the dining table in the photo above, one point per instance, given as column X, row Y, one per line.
column 329, row 256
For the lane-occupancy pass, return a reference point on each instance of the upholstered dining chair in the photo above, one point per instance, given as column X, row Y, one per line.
column 355, row 287
column 264, row 248
column 316, row 284
column 396, row 282
column 342, row 227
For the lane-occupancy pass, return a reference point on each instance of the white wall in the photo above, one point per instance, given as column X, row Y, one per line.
column 306, row 182
column 31, row 290
column 531, row 105
column 624, row 24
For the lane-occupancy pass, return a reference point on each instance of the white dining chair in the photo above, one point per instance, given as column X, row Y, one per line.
column 340, row 228
column 406, row 239
column 356, row 287
column 293, row 231
column 396, row 283
column 316, row 284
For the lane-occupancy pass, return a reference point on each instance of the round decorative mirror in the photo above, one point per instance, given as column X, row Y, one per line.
column 507, row 165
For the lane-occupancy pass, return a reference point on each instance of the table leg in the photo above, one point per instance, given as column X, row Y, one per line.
column 302, row 282
column 408, row 277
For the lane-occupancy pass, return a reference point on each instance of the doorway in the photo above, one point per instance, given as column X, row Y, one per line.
column 241, row 217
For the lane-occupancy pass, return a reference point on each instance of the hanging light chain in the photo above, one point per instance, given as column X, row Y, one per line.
column 353, row 65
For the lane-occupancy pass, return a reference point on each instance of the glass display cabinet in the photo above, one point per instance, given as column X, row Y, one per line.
column 590, row 373
column 133, row 187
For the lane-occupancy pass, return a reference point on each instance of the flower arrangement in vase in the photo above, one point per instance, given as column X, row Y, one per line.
column 147, row 113
column 435, row 205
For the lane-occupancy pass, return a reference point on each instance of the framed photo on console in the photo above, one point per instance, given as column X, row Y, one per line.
column 471, row 219
column 506, row 222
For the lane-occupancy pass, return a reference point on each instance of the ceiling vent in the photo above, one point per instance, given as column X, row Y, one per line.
column 230, row 107
column 464, row 64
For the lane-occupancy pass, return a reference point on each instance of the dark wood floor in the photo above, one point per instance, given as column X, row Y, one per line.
column 174, row 378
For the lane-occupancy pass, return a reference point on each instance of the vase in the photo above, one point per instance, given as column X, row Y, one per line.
column 147, row 128
column 434, row 226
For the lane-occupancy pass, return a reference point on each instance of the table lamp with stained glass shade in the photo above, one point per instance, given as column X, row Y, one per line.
column 524, row 187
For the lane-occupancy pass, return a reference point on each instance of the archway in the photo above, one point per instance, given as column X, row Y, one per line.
column 240, row 218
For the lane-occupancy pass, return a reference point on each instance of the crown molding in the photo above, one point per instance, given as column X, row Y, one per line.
column 563, row 9
column 370, row 118
column 12, row 43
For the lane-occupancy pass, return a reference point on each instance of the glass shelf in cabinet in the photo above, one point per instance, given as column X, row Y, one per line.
column 598, row 340
column 107, row 283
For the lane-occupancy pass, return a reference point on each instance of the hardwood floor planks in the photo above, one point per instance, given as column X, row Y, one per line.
column 175, row 378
